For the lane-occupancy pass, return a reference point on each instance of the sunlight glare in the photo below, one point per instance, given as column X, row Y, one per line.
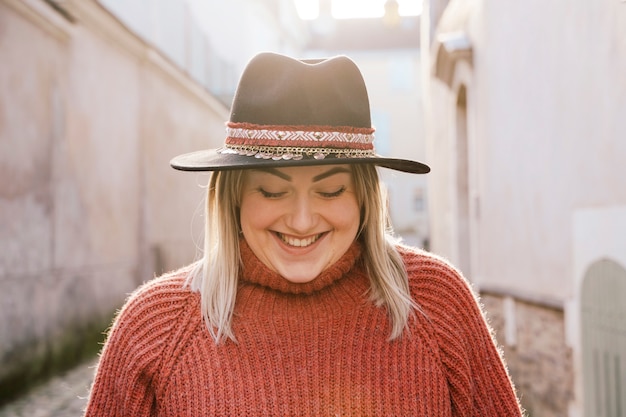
column 307, row 9
column 350, row 9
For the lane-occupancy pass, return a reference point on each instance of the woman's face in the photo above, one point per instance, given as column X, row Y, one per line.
column 299, row 220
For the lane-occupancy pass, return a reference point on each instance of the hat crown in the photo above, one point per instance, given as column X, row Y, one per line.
column 282, row 91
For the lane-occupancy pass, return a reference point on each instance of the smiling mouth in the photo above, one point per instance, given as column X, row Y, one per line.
column 299, row 243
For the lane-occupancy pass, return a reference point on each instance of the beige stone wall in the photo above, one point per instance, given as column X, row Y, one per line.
column 89, row 207
column 538, row 359
column 544, row 155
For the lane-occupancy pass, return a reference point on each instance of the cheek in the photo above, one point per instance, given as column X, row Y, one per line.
column 245, row 217
column 347, row 217
column 254, row 215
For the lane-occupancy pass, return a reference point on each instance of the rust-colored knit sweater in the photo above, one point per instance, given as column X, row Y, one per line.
column 315, row 349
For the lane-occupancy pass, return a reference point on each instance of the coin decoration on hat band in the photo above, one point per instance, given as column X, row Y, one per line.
column 294, row 142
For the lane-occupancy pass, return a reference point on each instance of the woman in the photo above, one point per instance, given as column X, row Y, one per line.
column 303, row 303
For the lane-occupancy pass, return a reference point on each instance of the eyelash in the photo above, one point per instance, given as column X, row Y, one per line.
column 334, row 194
column 267, row 194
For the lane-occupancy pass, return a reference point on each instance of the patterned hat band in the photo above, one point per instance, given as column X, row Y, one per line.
column 296, row 142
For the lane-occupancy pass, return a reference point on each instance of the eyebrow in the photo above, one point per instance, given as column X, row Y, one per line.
column 335, row 170
column 319, row 177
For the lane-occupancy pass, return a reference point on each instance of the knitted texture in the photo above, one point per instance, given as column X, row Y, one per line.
column 316, row 349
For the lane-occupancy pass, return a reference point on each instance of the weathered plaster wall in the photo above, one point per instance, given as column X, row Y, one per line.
column 546, row 128
column 89, row 207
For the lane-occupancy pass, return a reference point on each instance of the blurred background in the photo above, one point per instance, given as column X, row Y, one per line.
column 518, row 107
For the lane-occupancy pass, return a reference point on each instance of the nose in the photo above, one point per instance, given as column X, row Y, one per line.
column 303, row 216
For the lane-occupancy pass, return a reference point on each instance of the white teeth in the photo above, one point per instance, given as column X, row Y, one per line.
column 301, row 243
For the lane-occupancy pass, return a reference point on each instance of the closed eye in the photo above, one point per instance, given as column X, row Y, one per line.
column 268, row 194
column 333, row 194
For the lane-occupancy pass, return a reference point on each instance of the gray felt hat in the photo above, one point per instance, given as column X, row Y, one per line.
column 290, row 112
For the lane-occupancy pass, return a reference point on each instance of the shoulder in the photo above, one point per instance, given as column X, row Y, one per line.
column 140, row 345
column 474, row 368
column 167, row 293
column 435, row 283
column 421, row 265
column 152, row 312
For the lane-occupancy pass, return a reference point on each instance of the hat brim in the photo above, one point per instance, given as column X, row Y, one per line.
column 212, row 160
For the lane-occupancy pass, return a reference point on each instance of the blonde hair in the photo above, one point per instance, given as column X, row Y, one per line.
column 216, row 274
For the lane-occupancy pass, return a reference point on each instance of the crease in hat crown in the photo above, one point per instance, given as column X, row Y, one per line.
column 295, row 112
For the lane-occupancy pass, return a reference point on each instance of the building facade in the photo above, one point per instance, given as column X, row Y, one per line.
column 525, row 126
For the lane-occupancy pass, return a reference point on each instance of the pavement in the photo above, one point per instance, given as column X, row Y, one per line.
column 62, row 396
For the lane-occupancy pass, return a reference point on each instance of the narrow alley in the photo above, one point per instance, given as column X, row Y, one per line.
column 62, row 396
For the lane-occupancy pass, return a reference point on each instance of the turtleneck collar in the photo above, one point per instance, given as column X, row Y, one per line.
column 256, row 272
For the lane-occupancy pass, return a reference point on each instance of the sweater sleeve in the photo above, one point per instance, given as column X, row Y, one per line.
column 127, row 376
column 477, row 377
